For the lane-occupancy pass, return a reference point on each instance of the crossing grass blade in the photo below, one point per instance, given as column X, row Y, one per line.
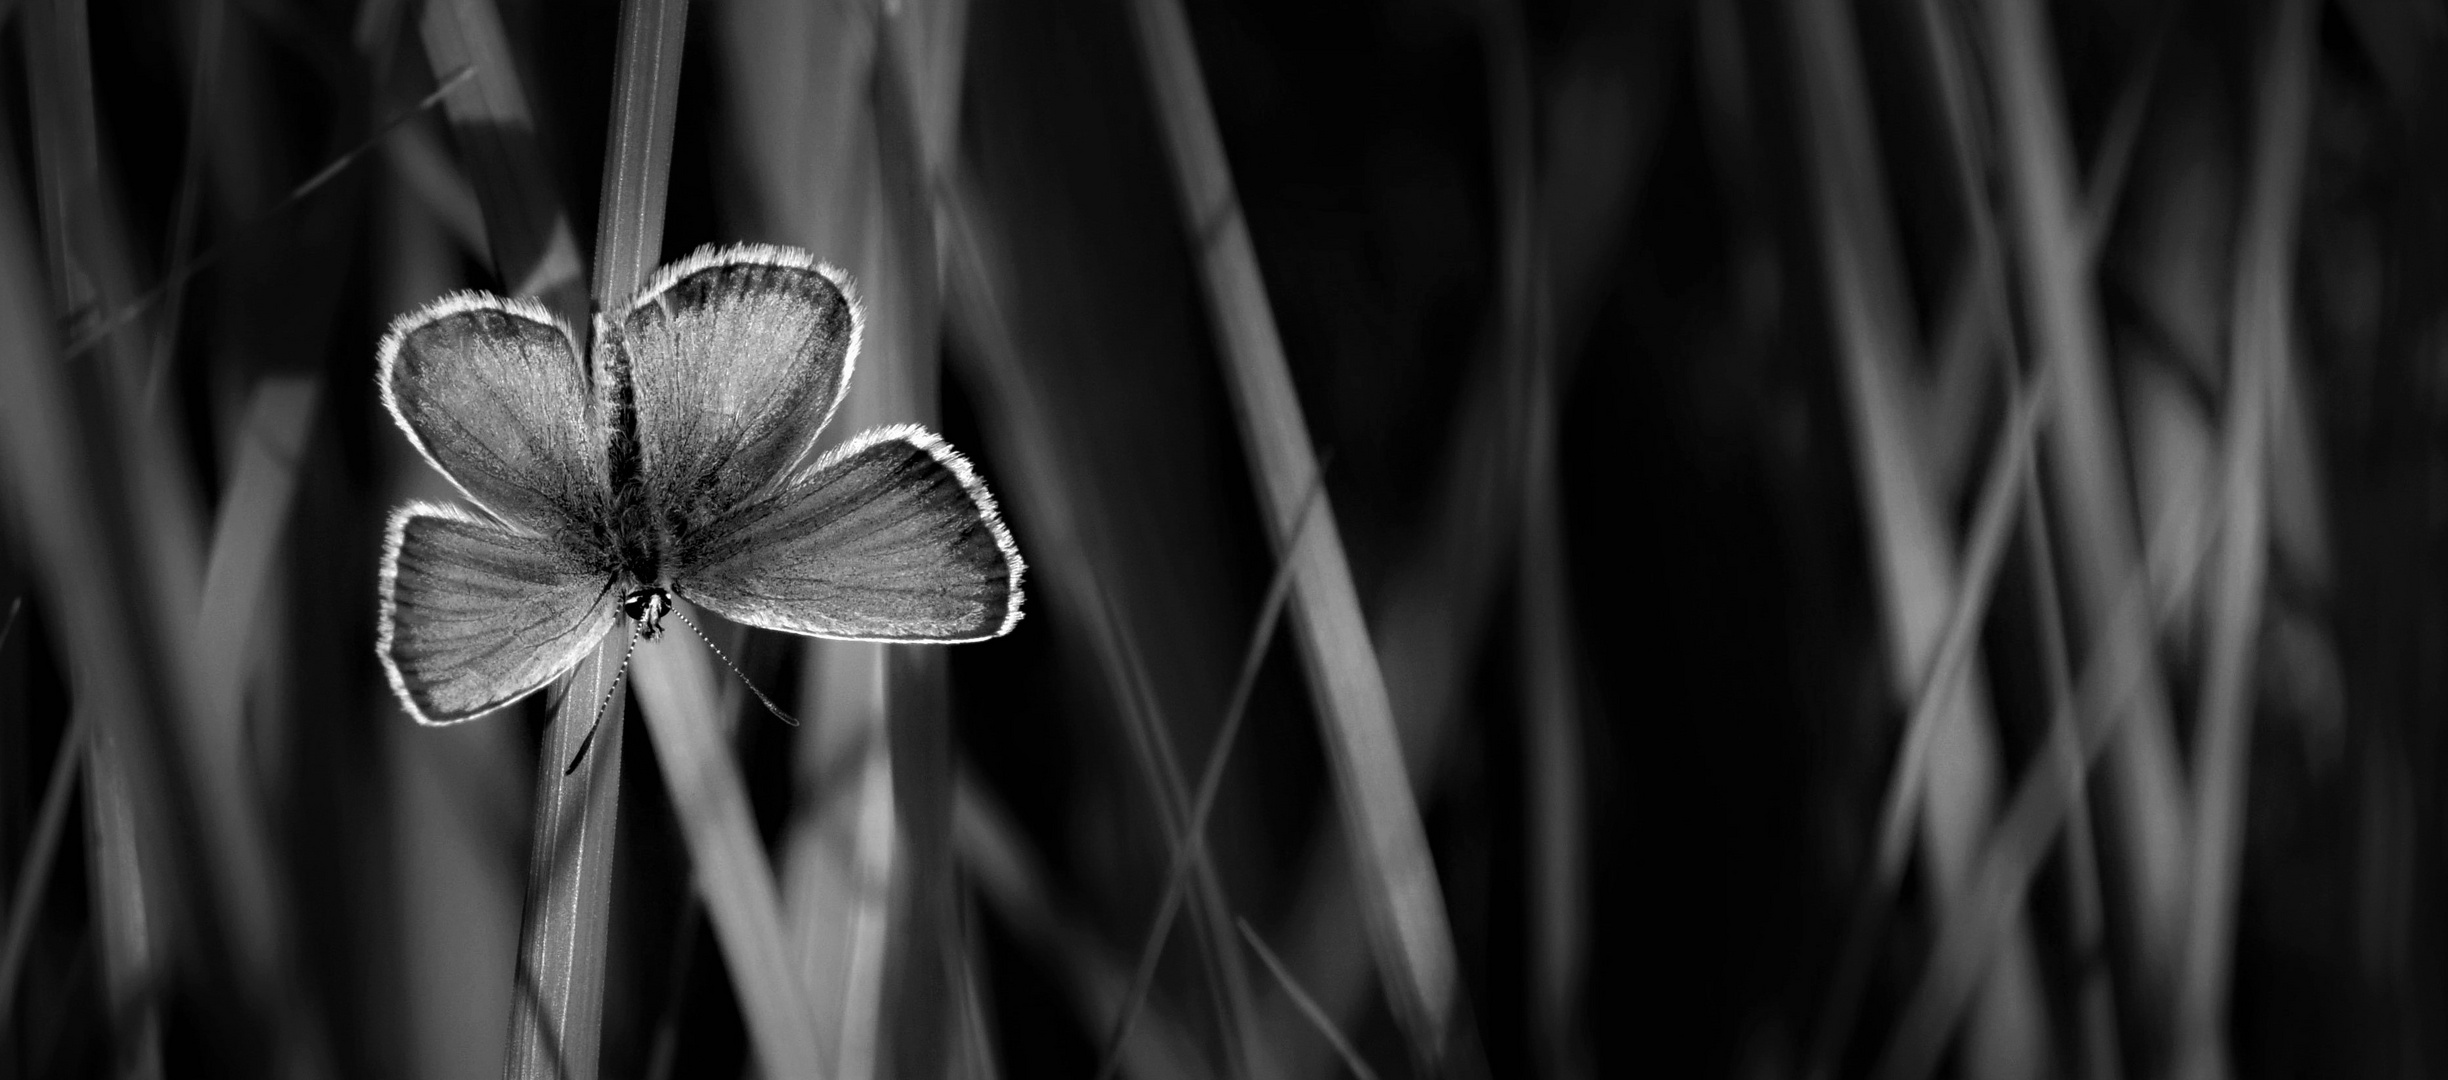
column 1014, row 884
column 676, row 687
column 1190, row 843
column 1160, row 770
column 676, row 694
column 176, row 808
column 144, row 856
column 1970, row 931
column 2262, row 329
column 34, row 871
column 1439, row 601
column 1946, row 780
column 1352, row 1060
column 1409, row 931
column 794, row 77
column 534, row 248
column 2147, row 811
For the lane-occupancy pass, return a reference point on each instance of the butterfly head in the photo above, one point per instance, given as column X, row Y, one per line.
column 646, row 607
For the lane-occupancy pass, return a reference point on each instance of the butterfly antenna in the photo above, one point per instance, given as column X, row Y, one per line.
column 586, row 743
column 743, row 677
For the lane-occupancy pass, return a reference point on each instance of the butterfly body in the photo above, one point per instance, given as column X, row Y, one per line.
column 673, row 465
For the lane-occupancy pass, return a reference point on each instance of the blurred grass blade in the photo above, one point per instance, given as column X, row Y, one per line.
column 1190, row 838
column 795, row 118
column 535, row 253
column 977, row 1056
column 2103, row 702
column 1993, row 522
column 150, row 867
column 2104, row 187
column 239, row 572
column 1160, row 767
column 2262, row 325
column 1552, row 754
column 919, row 1010
column 556, row 1000
column 2147, row 810
column 1015, row 883
column 1411, row 935
column 182, row 845
column 1602, row 121
column 202, row 94
column 1947, row 778
column 1024, row 422
column 676, row 693
column 34, row 872
column 1308, row 1007
column 186, row 268
column 2095, row 992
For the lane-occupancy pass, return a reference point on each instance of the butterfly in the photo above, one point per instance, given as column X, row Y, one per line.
column 674, row 466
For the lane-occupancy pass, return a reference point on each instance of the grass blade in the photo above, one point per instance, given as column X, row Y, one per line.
column 796, row 113
column 1065, row 517
column 239, row 572
column 676, row 693
column 1190, row 837
column 2262, row 328
column 535, row 251
column 921, row 1008
column 676, row 690
column 1160, row 768
column 77, row 543
column 1552, row 753
column 1409, row 930
column 1947, row 779
column 2102, row 704
column 1013, row 882
column 34, row 873
column 182, row 846
column 556, row 1011
column 1309, row 1007
column 2053, row 245
column 637, row 154
column 186, row 268
column 1439, row 601
column 556, row 1002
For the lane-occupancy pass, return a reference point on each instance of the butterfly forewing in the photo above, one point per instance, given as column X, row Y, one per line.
column 494, row 394
column 725, row 368
column 475, row 616
column 891, row 537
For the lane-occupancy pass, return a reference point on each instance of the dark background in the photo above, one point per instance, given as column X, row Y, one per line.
column 1552, row 281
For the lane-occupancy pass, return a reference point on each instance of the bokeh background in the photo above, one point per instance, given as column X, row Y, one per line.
column 1751, row 538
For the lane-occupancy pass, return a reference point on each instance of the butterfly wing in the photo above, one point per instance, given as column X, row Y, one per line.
column 891, row 537
column 475, row 616
column 727, row 364
column 494, row 394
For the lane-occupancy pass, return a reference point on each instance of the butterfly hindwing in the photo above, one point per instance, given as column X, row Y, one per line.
column 727, row 365
column 475, row 616
column 496, row 397
column 891, row 537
